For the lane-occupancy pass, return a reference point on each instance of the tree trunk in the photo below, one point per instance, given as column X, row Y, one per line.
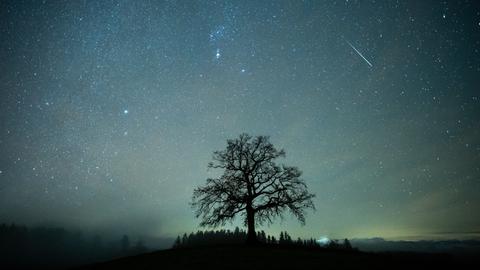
column 251, row 234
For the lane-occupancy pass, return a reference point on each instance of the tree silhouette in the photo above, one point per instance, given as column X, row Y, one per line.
column 346, row 244
column 252, row 185
column 178, row 242
column 125, row 242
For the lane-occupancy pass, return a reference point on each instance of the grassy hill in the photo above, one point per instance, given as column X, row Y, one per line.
column 275, row 257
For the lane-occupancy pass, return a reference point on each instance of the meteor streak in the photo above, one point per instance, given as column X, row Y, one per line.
column 359, row 53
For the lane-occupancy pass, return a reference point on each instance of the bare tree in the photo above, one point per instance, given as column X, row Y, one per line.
column 252, row 185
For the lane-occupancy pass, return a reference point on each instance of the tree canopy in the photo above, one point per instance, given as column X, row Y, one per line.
column 252, row 185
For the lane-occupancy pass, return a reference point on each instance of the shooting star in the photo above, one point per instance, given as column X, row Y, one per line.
column 359, row 53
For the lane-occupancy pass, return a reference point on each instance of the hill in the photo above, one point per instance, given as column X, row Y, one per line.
column 276, row 257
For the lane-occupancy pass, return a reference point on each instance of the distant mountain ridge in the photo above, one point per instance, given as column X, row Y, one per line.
column 378, row 244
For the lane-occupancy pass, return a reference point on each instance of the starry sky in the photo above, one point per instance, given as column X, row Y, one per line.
column 110, row 110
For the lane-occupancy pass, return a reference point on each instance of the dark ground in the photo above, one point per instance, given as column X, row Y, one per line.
column 268, row 257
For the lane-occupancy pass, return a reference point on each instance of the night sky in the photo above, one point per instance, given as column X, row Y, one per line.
column 110, row 110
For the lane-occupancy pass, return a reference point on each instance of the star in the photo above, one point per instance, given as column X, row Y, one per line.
column 217, row 54
column 125, row 111
column 217, row 34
